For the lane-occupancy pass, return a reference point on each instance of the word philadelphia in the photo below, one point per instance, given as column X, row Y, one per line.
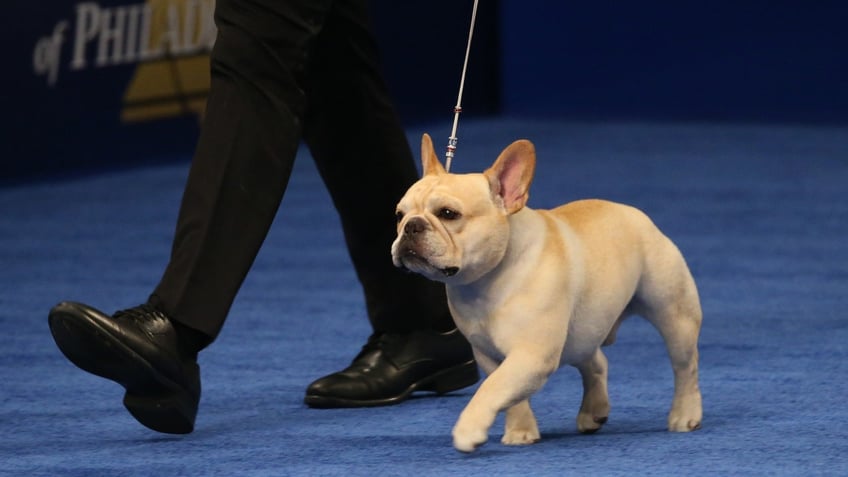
column 108, row 36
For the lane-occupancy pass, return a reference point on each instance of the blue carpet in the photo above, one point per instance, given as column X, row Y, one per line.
column 760, row 212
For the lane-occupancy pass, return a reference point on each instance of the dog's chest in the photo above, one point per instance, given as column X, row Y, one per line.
column 497, row 340
column 489, row 332
column 487, row 344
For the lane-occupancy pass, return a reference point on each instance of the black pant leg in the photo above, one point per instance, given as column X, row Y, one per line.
column 363, row 156
column 249, row 139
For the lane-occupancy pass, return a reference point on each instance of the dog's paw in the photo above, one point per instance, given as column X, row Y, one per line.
column 521, row 437
column 467, row 439
column 686, row 414
column 683, row 424
column 588, row 423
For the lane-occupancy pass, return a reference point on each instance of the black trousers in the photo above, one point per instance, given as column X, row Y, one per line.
column 285, row 71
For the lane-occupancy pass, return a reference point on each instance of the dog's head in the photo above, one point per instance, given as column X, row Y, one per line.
column 454, row 228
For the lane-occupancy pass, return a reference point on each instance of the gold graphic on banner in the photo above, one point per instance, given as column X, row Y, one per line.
column 177, row 82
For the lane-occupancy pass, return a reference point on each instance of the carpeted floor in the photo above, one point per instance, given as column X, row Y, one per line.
column 760, row 212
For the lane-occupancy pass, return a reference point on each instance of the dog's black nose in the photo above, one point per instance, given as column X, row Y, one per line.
column 414, row 226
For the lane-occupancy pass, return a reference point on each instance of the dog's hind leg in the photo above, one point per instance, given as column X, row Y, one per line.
column 676, row 313
column 681, row 339
column 595, row 407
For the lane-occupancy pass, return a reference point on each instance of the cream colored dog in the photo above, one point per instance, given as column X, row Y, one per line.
column 535, row 289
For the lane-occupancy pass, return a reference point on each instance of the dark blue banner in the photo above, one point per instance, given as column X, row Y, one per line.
column 111, row 82
column 104, row 82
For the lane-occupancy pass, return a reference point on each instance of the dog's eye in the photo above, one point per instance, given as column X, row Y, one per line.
column 399, row 216
column 448, row 214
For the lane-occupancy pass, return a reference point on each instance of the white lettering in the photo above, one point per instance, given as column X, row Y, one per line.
column 207, row 31
column 131, row 51
column 170, row 38
column 146, row 26
column 111, row 35
column 198, row 26
column 88, row 18
column 126, row 34
column 190, row 31
column 45, row 57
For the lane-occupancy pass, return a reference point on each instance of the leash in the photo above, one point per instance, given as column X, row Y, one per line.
column 452, row 140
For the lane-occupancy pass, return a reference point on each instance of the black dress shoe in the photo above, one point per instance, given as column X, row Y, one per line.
column 392, row 366
column 139, row 349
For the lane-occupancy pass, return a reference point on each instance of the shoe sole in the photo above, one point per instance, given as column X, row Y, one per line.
column 152, row 398
column 445, row 381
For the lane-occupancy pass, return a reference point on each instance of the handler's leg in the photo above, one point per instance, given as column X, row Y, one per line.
column 244, row 156
column 362, row 153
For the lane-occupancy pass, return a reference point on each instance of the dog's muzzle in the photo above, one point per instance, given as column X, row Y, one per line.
column 411, row 234
column 413, row 227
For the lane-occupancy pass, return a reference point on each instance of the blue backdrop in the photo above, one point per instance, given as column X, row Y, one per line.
column 751, row 60
column 88, row 84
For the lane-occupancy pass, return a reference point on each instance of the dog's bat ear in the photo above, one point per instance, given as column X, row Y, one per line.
column 511, row 174
column 429, row 161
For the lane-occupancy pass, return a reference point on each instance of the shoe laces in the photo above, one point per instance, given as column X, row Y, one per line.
column 380, row 340
column 377, row 342
column 145, row 312
column 145, row 317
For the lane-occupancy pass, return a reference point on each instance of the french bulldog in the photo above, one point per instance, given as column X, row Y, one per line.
column 535, row 289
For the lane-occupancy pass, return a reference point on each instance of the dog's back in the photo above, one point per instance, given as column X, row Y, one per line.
column 624, row 250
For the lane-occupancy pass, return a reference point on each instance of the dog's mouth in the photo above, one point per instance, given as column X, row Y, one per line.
column 449, row 271
column 412, row 262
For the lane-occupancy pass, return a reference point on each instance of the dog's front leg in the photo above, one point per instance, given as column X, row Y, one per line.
column 521, row 374
column 520, row 427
